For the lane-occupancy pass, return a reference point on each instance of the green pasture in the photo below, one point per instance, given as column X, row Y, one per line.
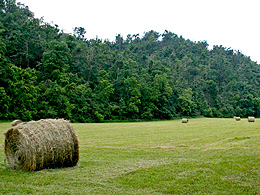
column 204, row 156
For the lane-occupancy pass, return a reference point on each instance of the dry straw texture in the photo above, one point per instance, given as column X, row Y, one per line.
column 36, row 145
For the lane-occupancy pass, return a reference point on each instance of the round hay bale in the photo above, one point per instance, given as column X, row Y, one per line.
column 251, row 119
column 16, row 122
column 36, row 145
column 237, row 118
column 184, row 120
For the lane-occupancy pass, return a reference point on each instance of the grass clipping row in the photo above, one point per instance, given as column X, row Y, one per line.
column 36, row 145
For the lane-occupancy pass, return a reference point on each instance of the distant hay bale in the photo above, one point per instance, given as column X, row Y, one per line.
column 237, row 118
column 16, row 122
column 36, row 145
column 184, row 120
column 251, row 119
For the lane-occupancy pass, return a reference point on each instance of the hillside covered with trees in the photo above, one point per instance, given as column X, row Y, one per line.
column 46, row 73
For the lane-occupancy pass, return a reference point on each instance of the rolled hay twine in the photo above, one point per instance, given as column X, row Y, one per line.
column 36, row 145
column 16, row 122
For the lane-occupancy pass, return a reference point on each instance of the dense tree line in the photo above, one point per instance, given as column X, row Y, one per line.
column 46, row 73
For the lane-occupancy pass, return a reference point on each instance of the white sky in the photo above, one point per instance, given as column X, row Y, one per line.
column 231, row 23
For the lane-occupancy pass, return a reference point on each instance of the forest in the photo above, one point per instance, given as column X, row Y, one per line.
column 46, row 73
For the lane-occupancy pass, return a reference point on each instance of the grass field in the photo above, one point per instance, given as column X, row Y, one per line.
column 204, row 156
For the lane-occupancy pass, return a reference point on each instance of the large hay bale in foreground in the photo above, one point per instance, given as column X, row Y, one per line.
column 36, row 145
column 251, row 119
column 184, row 120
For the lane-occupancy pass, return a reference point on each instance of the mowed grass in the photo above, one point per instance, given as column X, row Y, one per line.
column 204, row 156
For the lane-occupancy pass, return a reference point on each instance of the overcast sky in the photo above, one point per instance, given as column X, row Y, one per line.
column 234, row 24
